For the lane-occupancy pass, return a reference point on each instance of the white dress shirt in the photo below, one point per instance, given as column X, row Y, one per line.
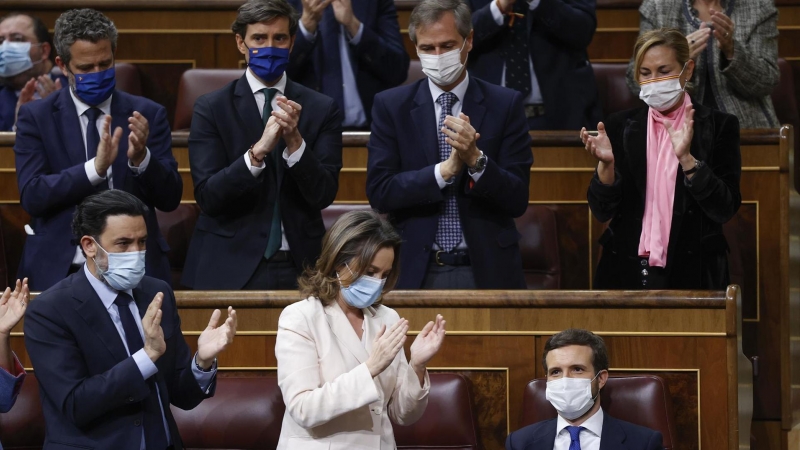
column 88, row 167
column 354, row 114
column 146, row 366
column 255, row 86
column 590, row 437
column 535, row 97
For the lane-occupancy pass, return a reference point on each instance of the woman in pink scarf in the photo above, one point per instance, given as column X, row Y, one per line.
column 667, row 178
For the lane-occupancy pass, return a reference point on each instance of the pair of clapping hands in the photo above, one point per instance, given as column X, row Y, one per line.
column 389, row 342
column 282, row 123
column 463, row 139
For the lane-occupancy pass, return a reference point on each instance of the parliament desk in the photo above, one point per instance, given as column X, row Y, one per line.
column 692, row 339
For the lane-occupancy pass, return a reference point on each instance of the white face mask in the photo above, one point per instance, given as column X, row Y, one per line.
column 571, row 397
column 662, row 93
column 443, row 69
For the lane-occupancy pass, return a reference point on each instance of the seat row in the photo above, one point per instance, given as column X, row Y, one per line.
column 246, row 413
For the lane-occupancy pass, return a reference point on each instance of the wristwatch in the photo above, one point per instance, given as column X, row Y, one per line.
column 697, row 165
column 480, row 164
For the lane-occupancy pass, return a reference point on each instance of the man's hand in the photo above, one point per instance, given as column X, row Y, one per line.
column 269, row 139
column 46, row 86
column 463, row 138
column 343, row 11
column 287, row 116
column 137, row 139
column 214, row 339
column 12, row 306
column 312, row 13
column 450, row 167
column 154, row 344
column 108, row 147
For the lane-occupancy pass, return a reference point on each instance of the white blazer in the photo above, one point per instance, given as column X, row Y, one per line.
column 332, row 401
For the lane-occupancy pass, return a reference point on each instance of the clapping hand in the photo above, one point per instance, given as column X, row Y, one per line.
column 108, row 147
column 269, row 139
column 681, row 136
column 137, row 139
column 154, row 344
column 214, row 339
column 698, row 40
column 343, row 12
column 723, row 31
column 312, row 13
column 463, row 138
column 287, row 116
column 427, row 343
column 386, row 346
column 12, row 306
column 598, row 146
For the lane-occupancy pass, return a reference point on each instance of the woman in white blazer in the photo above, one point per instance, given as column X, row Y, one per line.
column 341, row 365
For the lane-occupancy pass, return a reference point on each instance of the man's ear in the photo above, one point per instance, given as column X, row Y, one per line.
column 89, row 247
column 601, row 379
column 240, row 45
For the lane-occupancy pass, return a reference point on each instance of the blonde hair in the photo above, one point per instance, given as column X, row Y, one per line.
column 353, row 240
column 669, row 37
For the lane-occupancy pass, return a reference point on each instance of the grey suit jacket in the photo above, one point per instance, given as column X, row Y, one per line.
column 742, row 86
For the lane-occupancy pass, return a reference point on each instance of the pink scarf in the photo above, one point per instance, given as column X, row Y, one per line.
column 662, row 170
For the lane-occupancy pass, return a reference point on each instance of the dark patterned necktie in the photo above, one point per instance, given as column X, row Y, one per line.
column 518, row 74
column 448, row 234
column 274, row 242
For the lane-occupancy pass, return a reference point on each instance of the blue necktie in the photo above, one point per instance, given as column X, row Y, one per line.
column 155, row 436
column 93, row 140
column 574, row 433
column 448, row 234
column 274, row 242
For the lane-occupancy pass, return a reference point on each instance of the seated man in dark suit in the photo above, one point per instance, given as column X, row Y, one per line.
column 26, row 65
column 539, row 48
column 106, row 342
column 12, row 308
column 262, row 168
column 349, row 50
column 576, row 363
column 85, row 139
column 449, row 161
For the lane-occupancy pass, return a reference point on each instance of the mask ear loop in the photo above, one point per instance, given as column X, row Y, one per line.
column 598, row 387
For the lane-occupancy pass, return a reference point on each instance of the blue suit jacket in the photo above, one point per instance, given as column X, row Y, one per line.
column 559, row 33
column 379, row 61
column 233, row 229
column 616, row 435
column 91, row 390
column 403, row 150
column 50, row 155
column 9, row 388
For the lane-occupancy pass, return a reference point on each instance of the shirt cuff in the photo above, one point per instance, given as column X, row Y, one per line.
column 146, row 366
column 309, row 37
column 143, row 166
column 357, row 38
column 533, row 4
column 91, row 173
column 497, row 15
column 477, row 175
column 294, row 157
column 255, row 170
column 204, row 379
column 439, row 178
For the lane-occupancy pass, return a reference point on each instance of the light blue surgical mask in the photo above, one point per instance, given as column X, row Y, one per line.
column 124, row 270
column 363, row 292
column 15, row 58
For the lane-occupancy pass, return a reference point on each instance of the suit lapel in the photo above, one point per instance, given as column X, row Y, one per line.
column 121, row 110
column 545, row 437
column 96, row 317
column 65, row 116
column 472, row 105
column 424, row 117
column 247, row 109
column 613, row 437
column 635, row 143
column 344, row 331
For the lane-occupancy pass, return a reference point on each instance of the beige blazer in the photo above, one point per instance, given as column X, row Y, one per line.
column 332, row 401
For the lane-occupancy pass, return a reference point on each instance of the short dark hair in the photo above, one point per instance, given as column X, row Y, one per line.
column 82, row 25
column 39, row 29
column 90, row 216
column 577, row 336
column 255, row 11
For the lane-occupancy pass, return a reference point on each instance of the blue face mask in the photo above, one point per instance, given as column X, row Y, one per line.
column 124, row 270
column 363, row 292
column 268, row 63
column 15, row 58
column 96, row 87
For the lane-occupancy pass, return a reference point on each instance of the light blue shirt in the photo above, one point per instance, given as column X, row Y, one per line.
column 535, row 97
column 146, row 366
column 354, row 114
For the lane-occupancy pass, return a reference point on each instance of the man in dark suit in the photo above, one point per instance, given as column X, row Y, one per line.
column 26, row 65
column 449, row 161
column 66, row 150
column 262, row 168
column 538, row 47
column 576, row 363
column 106, row 342
column 349, row 50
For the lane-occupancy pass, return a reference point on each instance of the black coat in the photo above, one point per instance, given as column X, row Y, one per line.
column 697, row 252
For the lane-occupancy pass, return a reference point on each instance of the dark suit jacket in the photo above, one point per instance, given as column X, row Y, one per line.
column 379, row 61
column 403, row 150
column 91, row 390
column 232, row 231
column 616, row 435
column 8, row 103
column 50, row 155
column 559, row 33
column 697, row 252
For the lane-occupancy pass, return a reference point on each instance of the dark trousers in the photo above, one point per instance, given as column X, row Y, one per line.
column 448, row 277
column 271, row 275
